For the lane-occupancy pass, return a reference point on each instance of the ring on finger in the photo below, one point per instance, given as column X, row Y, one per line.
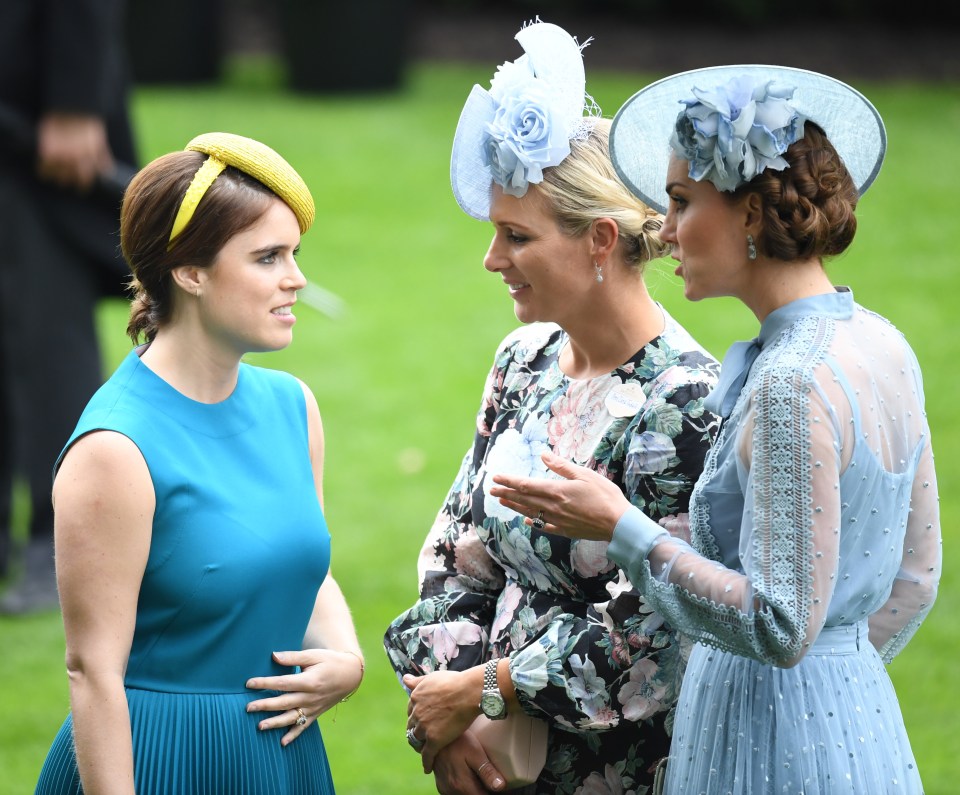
column 415, row 742
column 301, row 717
column 538, row 523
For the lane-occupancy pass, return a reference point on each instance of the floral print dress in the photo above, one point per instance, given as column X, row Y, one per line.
column 587, row 654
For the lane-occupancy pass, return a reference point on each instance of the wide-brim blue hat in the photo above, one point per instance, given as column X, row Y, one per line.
column 642, row 128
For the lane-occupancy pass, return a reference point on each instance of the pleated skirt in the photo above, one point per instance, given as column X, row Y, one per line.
column 201, row 744
column 829, row 726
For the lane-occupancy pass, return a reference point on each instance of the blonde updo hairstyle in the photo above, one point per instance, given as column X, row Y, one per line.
column 585, row 187
column 234, row 202
column 808, row 208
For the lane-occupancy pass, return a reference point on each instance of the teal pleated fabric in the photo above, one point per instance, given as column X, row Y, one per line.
column 188, row 743
column 238, row 552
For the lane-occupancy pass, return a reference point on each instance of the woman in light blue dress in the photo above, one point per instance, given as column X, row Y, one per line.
column 204, row 631
column 813, row 550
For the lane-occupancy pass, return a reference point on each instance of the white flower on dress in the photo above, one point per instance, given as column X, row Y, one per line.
column 529, row 669
column 531, row 340
column 507, row 606
column 579, row 419
column 589, row 558
column 522, row 562
column 591, row 691
column 514, row 453
column 444, row 640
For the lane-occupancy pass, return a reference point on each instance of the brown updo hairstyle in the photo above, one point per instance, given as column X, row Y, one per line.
column 808, row 208
column 234, row 202
column 585, row 187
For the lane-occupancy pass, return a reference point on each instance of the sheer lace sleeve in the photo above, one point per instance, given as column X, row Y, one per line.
column 915, row 586
column 772, row 608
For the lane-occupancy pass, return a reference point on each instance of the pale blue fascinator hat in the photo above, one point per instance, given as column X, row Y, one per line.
column 524, row 123
column 733, row 122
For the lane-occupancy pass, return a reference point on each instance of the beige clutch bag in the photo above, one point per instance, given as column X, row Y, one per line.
column 517, row 746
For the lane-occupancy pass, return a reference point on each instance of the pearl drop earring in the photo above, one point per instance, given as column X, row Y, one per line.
column 599, row 276
column 751, row 248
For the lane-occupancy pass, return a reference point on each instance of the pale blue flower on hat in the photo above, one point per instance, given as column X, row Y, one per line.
column 736, row 130
column 524, row 123
column 528, row 132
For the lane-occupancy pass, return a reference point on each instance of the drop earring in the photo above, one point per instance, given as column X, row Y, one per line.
column 599, row 276
column 751, row 248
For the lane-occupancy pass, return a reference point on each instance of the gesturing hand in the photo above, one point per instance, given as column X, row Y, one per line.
column 582, row 505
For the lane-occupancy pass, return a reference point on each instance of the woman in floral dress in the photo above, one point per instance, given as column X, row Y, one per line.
column 601, row 375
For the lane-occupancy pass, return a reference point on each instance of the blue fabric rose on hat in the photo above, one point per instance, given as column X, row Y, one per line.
column 526, row 134
column 735, row 131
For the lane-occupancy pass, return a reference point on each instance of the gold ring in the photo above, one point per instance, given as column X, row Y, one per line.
column 538, row 523
column 301, row 717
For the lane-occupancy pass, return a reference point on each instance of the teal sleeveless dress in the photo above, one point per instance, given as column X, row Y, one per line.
column 239, row 550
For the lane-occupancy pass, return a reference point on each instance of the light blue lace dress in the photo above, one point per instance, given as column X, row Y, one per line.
column 817, row 535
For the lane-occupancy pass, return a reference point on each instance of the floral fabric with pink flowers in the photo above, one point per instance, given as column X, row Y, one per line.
column 587, row 653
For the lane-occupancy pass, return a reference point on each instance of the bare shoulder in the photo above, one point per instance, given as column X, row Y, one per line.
column 103, row 465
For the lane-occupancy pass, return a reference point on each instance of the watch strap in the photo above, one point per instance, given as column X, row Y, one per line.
column 490, row 676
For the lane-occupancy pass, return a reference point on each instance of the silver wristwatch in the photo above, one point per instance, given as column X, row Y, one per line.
column 491, row 699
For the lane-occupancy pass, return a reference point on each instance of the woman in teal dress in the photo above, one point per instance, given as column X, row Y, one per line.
column 204, row 630
column 814, row 531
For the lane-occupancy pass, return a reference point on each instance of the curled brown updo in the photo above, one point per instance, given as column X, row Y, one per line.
column 233, row 203
column 585, row 187
column 808, row 208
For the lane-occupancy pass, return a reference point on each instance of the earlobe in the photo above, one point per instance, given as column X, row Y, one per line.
column 188, row 278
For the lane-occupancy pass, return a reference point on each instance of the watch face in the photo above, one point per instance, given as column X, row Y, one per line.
column 492, row 704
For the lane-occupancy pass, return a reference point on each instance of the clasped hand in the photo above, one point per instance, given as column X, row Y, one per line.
column 441, row 709
column 442, row 706
column 325, row 679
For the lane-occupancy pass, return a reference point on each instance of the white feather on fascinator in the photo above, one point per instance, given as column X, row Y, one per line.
column 525, row 122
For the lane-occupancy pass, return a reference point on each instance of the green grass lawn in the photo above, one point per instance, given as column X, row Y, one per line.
column 398, row 376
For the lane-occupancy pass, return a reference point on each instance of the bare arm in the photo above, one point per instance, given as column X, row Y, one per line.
column 331, row 626
column 331, row 661
column 104, row 503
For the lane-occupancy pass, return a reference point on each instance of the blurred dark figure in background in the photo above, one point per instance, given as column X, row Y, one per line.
column 64, row 128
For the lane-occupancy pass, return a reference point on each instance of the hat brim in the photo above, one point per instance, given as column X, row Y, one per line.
column 641, row 129
column 469, row 177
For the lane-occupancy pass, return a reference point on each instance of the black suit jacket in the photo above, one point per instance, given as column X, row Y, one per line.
column 68, row 55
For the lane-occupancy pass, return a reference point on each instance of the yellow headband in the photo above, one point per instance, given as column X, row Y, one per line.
column 253, row 158
column 203, row 179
